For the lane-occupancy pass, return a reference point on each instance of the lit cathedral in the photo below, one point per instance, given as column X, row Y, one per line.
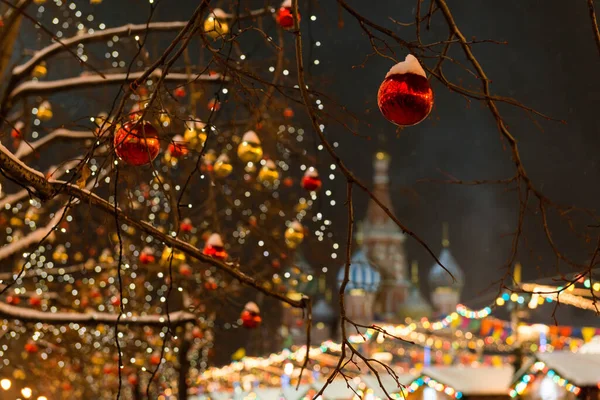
column 381, row 288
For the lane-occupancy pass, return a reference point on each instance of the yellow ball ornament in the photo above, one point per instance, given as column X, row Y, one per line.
column 44, row 111
column 216, row 24
column 268, row 173
column 40, row 70
column 178, row 257
column 222, row 167
column 250, row 149
column 294, row 235
column 195, row 134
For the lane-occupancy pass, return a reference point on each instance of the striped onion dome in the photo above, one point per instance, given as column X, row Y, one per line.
column 438, row 277
column 363, row 275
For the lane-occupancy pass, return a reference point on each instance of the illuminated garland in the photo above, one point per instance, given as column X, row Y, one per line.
column 432, row 383
column 534, row 371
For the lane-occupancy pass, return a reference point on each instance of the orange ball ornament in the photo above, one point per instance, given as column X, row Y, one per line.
column 214, row 247
column 178, row 147
column 405, row 97
column 137, row 143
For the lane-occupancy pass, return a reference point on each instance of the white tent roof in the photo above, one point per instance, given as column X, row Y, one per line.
column 473, row 380
column 583, row 369
column 336, row 390
column 593, row 346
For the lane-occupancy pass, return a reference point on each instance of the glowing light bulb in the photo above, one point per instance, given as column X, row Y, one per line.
column 5, row 384
column 26, row 392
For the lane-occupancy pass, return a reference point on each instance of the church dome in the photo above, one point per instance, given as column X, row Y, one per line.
column 323, row 312
column 438, row 277
column 415, row 306
column 363, row 275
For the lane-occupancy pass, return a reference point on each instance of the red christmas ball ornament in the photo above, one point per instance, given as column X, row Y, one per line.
column 147, row 256
column 211, row 284
column 197, row 333
column 115, row 301
column 288, row 113
column 185, row 270
column 179, row 92
column 178, row 147
column 95, row 293
column 214, row 105
column 132, row 379
column 35, row 301
column 251, row 315
column 14, row 300
column 155, row 359
column 31, row 347
column 136, row 143
column 405, row 97
column 285, row 16
column 311, row 180
column 186, row 225
column 214, row 247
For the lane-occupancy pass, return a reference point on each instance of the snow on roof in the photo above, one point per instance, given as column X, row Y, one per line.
column 592, row 347
column 409, row 65
column 583, row 369
column 336, row 390
column 473, row 380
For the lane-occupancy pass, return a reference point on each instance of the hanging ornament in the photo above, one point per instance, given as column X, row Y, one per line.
column 136, row 143
column 185, row 270
column 106, row 257
column 210, row 284
column 222, row 167
column 311, row 180
column 288, row 113
column 31, row 347
column 214, row 247
column 177, row 148
column 40, row 70
column 294, row 234
column 285, row 15
column 179, row 92
column 216, row 24
column 405, row 96
column 35, row 301
column 251, row 315
column 164, row 118
column 13, row 300
column 147, row 256
column 250, row 149
column 155, row 359
column 186, row 225
column 60, row 255
column 195, row 134
column 132, row 379
column 137, row 110
column 214, row 105
column 44, row 112
column 115, row 301
column 268, row 173
column 174, row 257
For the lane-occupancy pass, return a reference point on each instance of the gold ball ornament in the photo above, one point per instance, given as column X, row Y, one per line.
column 40, row 70
column 268, row 173
column 250, row 149
column 195, row 134
column 222, row 167
column 164, row 118
column 294, row 235
column 216, row 26
column 44, row 111
column 177, row 256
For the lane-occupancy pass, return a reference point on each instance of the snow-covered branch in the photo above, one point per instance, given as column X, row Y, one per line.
column 32, row 88
column 25, row 149
column 126, row 30
column 48, row 189
column 93, row 318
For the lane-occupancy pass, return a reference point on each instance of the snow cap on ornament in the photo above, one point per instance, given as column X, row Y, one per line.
column 215, row 240
column 251, row 137
column 286, row 3
column 219, row 13
column 311, row 180
column 405, row 97
column 214, row 247
column 252, row 307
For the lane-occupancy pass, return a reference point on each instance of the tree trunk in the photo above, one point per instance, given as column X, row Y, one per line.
column 184, row 364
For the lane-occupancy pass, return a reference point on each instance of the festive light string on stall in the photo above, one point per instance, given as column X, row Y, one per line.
column 537, row 369
column 432, row 383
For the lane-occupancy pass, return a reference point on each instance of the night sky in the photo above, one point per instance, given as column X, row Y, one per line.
column 550, row 64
